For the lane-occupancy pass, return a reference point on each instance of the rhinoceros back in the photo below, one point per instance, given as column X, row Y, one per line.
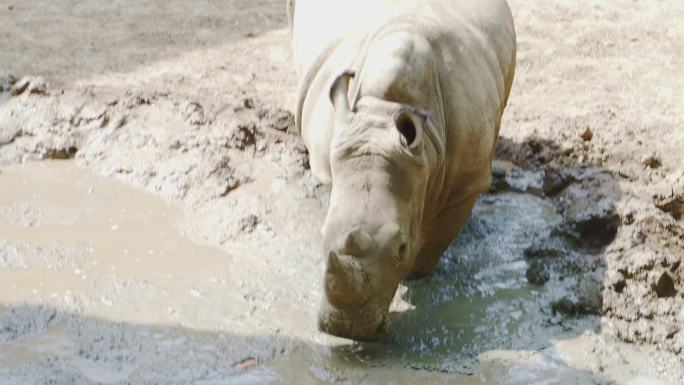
column 473, row 44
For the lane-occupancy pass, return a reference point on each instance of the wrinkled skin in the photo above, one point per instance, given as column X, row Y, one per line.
column 399, row 108
column 373, row 221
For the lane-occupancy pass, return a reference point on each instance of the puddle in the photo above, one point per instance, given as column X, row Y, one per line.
column 67, row 233
column 98, row 284
column 479, row 298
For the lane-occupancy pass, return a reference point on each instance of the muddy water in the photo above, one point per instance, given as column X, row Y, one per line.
column 479, row 301
column 69, row 233
column 97, row 285
column 479, row 298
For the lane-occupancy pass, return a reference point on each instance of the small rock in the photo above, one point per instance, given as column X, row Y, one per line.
column 138, row 98
column 194, row 114
column 589, row 297
column 276, row 118
column 60, row 153
column 589, row 212
column 249, row 223
column 589, row 302
column 499, row 171
column 554, row 182
column 620, row 285
column 598, row 230
column 243, row 136
column 665, row 286
column 32, row 84
column 673, row 205
column 499, row 182
column 526, row 181
column 651, row 161
column 537, row 273
column 587, row 135
column 6, row 82
column 564, row 306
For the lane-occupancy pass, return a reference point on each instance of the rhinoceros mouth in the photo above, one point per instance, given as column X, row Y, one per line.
column 367, row 324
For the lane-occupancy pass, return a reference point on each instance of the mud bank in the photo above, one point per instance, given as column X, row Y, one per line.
column 587, row 205
column 599, row 86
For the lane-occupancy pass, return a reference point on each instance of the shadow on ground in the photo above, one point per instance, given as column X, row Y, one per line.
column 41, row 345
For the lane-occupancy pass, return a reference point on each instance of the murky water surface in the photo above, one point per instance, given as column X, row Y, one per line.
column 65, row 230
column 97, row 281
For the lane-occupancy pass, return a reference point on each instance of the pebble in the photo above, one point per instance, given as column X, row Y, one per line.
column 665, row 286
column 34, row 85
column 537, row 273
column 554, row 182
column 564, row 306
column 651, row 161
column 587, row 135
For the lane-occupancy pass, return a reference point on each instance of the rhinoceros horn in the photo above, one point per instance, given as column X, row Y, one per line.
column 346, row 281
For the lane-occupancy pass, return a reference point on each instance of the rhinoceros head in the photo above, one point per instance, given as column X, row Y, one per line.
column 372, row 228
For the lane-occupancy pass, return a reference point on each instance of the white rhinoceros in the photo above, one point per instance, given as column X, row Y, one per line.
column 399, row 104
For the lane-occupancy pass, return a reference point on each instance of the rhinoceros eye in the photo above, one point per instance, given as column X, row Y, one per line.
column 407, row 128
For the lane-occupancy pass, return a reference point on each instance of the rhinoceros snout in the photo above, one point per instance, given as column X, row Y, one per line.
column 365, row 262
column 354, row 262
column 367, row 323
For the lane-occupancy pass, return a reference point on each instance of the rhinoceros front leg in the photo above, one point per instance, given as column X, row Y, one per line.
column 441, row 233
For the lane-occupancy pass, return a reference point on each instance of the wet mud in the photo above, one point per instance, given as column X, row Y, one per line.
column 159, row 222
column 101, row 285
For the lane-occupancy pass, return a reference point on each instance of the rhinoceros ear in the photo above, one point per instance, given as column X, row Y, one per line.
column 338, row 93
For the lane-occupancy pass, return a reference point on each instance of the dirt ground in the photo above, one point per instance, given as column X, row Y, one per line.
column 170, row 232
